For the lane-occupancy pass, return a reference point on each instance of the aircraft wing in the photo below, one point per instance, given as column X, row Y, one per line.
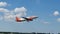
column 32, row 17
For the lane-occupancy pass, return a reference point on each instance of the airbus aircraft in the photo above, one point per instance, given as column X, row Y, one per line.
column 26, row 18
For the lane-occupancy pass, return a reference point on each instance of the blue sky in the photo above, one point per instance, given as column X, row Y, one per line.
column 48, row 12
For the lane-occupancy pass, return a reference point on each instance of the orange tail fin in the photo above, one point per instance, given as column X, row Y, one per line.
column 17, row 18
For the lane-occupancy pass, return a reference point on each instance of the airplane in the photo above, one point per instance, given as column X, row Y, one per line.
column 26, row 18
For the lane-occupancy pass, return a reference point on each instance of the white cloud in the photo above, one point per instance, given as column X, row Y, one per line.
column 3, row 4
column 11, row 14
column 56, row 13
column 58, row 19
column 4, row 10
column 46, row 22
column 20, row 11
